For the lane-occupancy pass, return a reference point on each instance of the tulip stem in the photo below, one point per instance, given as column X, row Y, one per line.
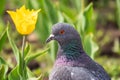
column 23, row 45
column 23, row 56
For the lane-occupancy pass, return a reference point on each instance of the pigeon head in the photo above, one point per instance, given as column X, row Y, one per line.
column 63, row 33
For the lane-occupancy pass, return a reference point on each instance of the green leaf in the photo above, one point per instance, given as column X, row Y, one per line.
column 20, row 65
column 67, row 18
column 27, row 49
column 42, row 26
column 116, row 46
column 3, row 38
column 2, row 26
column 13, row 45
column 14, row 75
column 71, row 13
column 32, row 4
column 34, row 78
column 90, row 20
column 90, row 46
column 2, row 6
column 2, row 72
column 33, row 56
column 60, row 17
column 2, row 61
column 118, row 12
column 3, row 69
column 50, row 11
column 29, row 73
column 53, row 50
column 81, row 22
column 79, row 5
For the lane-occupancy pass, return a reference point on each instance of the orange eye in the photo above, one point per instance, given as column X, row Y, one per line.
column 62, row 31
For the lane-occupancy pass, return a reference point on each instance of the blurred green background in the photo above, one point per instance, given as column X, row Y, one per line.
column 97, row 21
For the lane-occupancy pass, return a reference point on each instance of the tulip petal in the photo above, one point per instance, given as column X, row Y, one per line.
column 24, row 19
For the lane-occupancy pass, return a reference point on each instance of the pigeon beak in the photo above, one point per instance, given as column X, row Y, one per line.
column 51, row 37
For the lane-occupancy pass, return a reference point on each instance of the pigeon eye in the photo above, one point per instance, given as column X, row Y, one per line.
column 62, row 32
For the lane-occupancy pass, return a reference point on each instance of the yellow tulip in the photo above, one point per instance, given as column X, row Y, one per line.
column 24, row 19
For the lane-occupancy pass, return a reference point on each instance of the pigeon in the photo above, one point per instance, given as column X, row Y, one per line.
column 72, row 62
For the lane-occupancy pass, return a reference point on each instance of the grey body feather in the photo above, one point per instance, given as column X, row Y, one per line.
column 71, row 73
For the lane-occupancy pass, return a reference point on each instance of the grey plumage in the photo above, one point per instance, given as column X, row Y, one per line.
column 72, row 62
column 70, row 73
